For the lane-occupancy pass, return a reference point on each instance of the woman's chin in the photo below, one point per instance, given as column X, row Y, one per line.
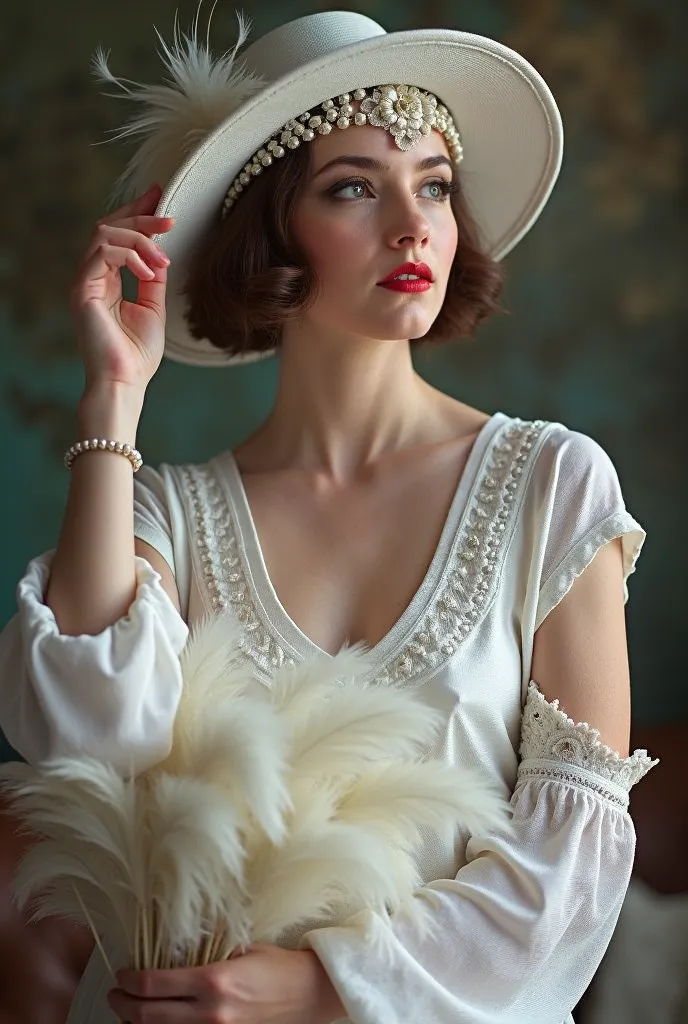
column 401, row 328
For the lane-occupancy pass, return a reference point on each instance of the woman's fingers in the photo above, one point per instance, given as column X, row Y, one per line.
column 139, row 215
column 106, row 234
column 108, row 257
column 144, row 224
column 131, row 1010
column 94, row 284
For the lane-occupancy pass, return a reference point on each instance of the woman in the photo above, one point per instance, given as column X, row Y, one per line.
column 479, row 557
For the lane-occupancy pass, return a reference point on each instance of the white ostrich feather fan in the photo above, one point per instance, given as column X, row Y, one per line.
column 299, row 801
column 201, row 92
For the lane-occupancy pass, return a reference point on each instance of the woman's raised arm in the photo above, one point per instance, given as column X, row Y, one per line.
column 92, row 578
column 90, row 663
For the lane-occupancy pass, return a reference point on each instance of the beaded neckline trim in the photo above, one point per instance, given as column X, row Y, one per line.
column 468, row 583
column 472, row 572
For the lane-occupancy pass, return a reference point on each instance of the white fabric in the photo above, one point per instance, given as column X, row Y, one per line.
column 112, row 696
column 523, row 922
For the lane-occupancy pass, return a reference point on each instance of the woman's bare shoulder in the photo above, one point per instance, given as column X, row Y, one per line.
column 462, row 420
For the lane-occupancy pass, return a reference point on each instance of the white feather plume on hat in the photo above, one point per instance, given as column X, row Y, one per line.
column 200, row 93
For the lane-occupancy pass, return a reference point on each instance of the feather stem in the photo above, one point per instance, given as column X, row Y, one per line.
column 210, row 18
column 157, row 954
column 221, row 943
column 207, row 950
column 96, row 936
column 145, row 930
column 218, row 941
column 146, row 946
column 229, row 949
column 157, row 928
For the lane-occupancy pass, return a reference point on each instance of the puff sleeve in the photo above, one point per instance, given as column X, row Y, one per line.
column 519, row 932
column 112, row 695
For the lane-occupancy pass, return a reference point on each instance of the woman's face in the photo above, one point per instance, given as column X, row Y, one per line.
column 368, row 208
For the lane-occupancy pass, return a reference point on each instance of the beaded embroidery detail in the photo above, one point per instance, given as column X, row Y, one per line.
column 405, row 111
column 223, row 572
column 553, row 746
column 470, row 577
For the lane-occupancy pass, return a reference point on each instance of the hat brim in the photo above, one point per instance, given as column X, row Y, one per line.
column 507, row 118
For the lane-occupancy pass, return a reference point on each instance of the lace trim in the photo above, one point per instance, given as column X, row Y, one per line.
column 469, row 581
column 554, row 746
column 531, row 770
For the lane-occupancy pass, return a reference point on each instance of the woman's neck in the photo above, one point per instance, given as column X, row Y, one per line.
column 343, row 403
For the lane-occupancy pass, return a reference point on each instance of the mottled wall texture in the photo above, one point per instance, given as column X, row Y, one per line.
column 596, row 295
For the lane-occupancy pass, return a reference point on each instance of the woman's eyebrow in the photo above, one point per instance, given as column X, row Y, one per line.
column 370, row 164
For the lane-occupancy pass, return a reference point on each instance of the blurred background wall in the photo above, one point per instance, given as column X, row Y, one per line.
column 596, row 292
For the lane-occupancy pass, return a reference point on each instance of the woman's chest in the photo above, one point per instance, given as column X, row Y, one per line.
column 303, row 578
column 346, row 562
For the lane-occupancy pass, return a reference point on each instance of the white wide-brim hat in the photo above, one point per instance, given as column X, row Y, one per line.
column 507, row 118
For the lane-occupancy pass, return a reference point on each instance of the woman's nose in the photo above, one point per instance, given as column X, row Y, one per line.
column 408, row 227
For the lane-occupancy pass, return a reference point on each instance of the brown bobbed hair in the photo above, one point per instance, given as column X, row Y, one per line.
column 248, row 276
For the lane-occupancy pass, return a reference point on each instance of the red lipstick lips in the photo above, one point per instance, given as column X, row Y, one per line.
column 409, row 277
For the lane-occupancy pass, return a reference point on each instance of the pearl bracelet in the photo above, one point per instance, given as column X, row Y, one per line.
column 102, row 445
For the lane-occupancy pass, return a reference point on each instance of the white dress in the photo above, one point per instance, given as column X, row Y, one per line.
column 523, row 921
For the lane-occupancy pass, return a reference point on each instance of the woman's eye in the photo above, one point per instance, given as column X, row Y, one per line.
column 438, row 189
column 356, row 189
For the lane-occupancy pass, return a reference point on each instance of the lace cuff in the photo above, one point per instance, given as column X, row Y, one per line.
column 554, row 747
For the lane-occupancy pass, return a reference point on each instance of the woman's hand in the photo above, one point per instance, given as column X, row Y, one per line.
column 122, row 342
column 265, row 985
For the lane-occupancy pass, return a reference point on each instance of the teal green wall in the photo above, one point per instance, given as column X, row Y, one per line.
column 596, row 292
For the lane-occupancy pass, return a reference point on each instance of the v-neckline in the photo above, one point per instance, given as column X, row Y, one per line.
column 275, row 617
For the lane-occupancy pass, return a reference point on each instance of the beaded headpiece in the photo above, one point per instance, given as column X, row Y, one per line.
column 204, row 90
column 405, row 111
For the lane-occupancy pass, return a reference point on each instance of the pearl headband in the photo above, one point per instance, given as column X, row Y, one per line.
column 405, row 111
